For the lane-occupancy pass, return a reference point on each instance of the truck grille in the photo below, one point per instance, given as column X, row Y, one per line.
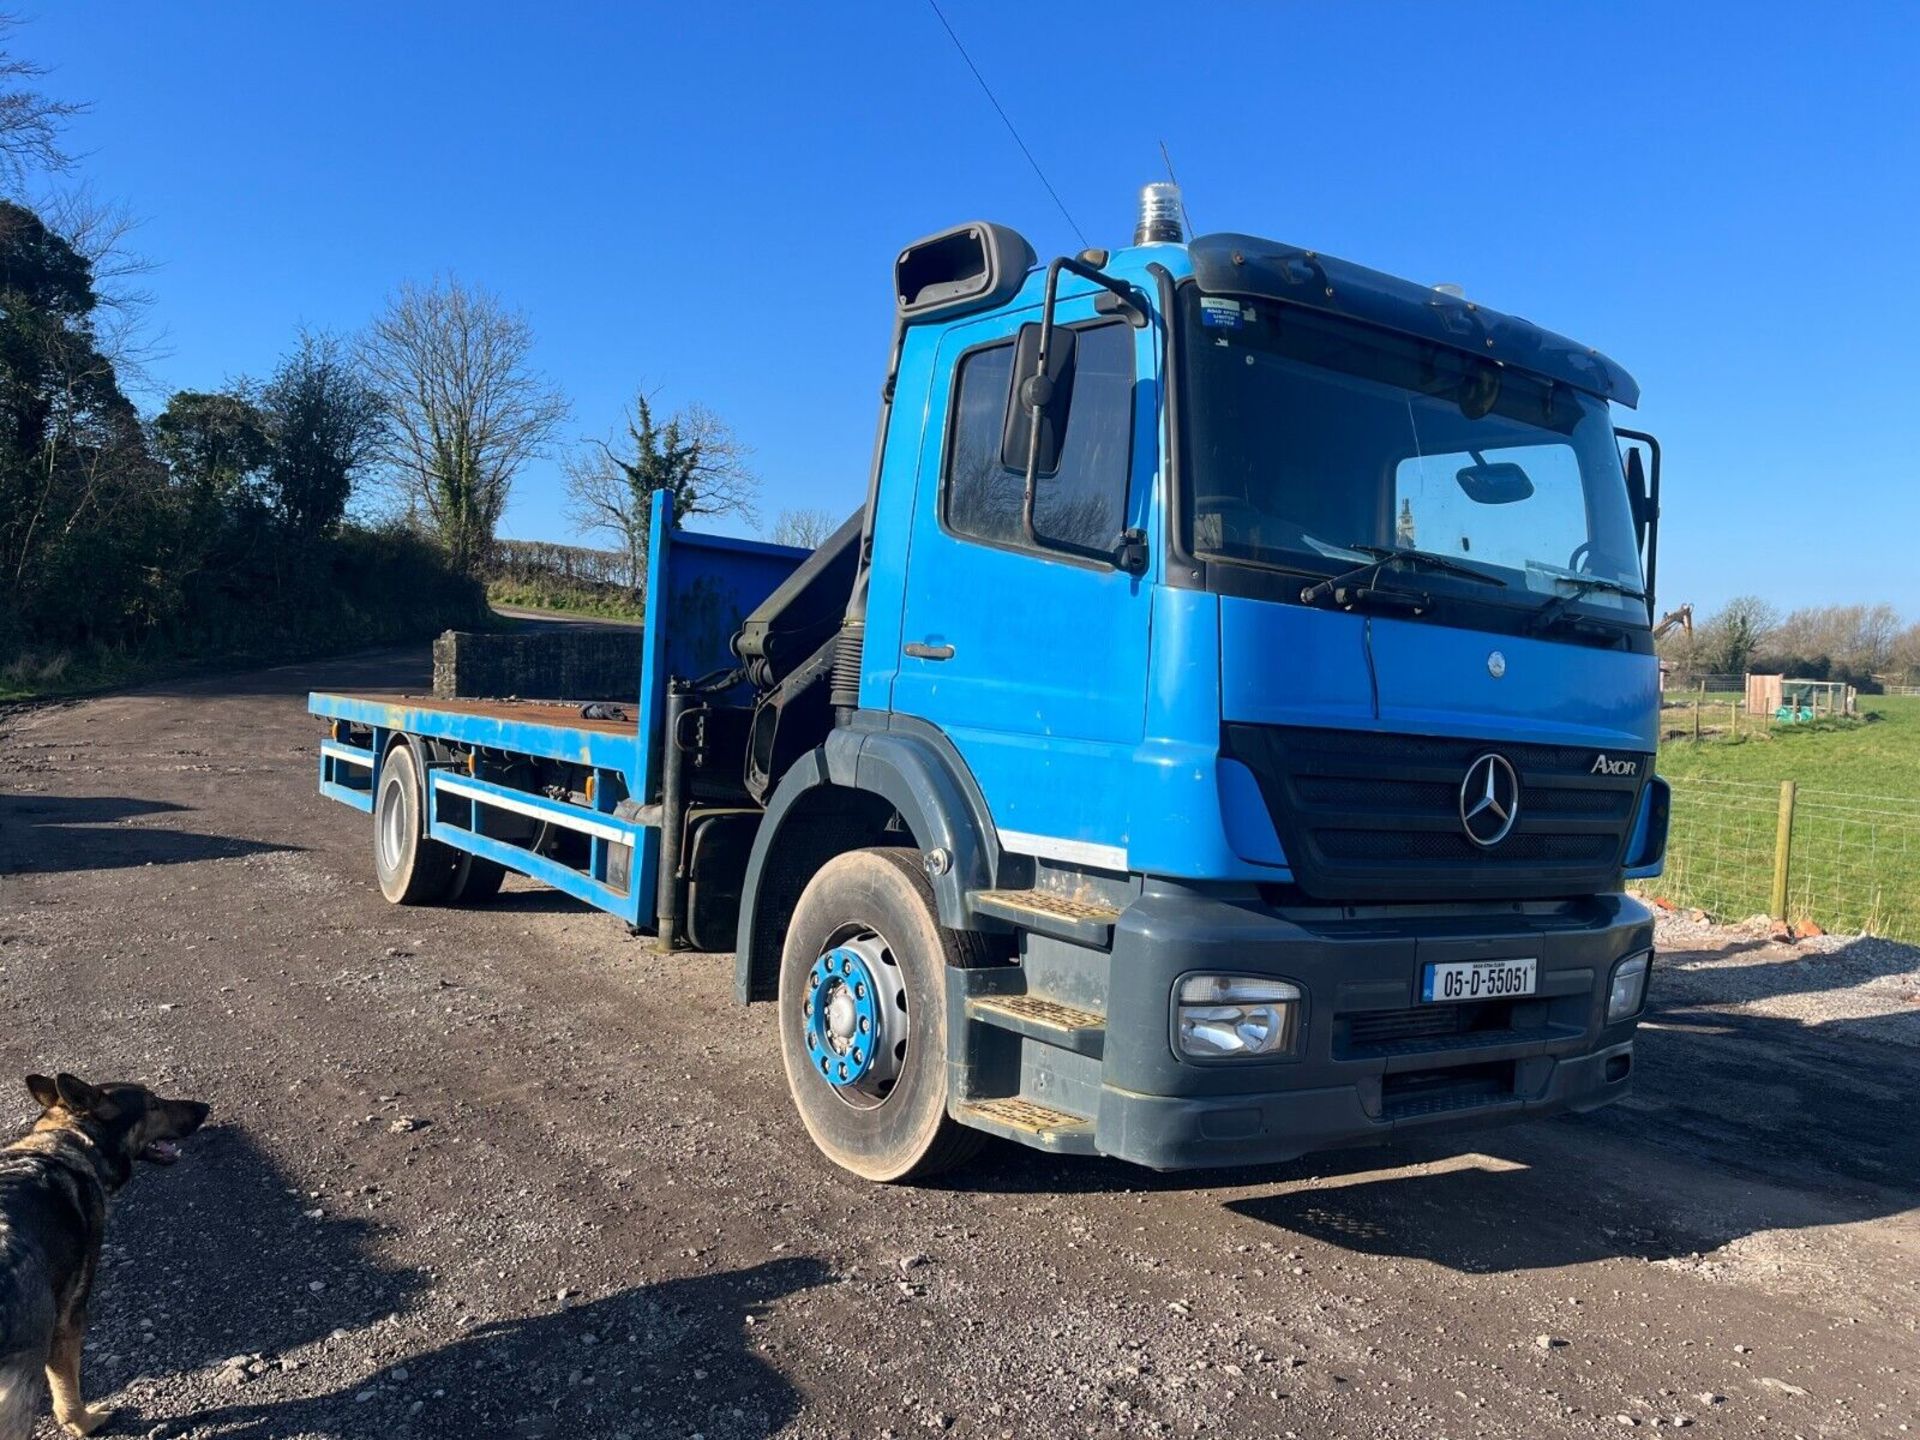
column 1424, row 1027
column 1366, row 816
column 1429, row 1092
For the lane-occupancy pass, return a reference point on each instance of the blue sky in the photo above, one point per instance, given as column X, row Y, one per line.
column 707, row 198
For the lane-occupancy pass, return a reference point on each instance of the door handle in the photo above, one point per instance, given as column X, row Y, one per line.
column 928, row 652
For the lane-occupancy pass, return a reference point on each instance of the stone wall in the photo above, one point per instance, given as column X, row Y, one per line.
column 562, row 663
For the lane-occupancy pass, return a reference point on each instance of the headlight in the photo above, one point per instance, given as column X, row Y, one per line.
column 1236, row 1016
column 1629, row 987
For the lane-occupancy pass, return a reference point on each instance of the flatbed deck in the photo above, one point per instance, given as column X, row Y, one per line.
column 528, row 727
column 513, row 711
column 606, row 783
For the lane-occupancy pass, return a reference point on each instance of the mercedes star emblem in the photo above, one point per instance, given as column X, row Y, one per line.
column 1489, row 800
column 1496, row 664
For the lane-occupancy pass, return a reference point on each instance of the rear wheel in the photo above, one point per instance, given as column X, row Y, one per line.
column 413, row 869
column 863, row 1017
column 475, row 881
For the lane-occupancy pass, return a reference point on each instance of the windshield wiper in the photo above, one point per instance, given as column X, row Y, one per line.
column 1549, row 614
column 1343, row 591
column 1387, row 554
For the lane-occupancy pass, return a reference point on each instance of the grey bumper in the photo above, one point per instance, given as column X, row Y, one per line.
column 1374, row 1062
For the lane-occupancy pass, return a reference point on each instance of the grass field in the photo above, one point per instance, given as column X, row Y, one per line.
column 1855, row 855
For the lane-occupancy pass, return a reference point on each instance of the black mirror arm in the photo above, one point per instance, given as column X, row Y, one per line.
column 1127, row 293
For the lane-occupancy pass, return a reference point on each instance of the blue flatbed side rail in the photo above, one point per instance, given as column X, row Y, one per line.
column 555, row 739
column 346, row 773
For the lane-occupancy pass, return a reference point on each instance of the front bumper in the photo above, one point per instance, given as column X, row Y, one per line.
column 1373, row 1063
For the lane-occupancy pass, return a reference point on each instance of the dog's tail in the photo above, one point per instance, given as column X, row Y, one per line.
column 22, row 1396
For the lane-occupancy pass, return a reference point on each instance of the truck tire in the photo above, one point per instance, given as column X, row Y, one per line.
column 475, row 881
column 413, row 869
column 863, row 1022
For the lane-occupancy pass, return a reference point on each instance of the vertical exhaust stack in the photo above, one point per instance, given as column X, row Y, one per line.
column 1159, row 215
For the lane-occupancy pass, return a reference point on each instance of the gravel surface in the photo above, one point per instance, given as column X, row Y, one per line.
column 510, row 1173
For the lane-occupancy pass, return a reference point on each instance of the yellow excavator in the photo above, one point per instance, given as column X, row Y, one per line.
column 1680, row 619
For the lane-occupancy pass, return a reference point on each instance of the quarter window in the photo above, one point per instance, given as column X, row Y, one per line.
column 1084, row 503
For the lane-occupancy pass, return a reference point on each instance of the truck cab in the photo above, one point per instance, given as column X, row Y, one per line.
column 1225, row 731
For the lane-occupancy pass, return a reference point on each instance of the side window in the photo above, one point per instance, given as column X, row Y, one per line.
column 1084, row 503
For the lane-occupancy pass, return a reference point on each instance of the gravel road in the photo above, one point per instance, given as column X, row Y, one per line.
column 511, row 1173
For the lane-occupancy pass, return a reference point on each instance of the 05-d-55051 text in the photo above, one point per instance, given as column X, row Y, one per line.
column 1477, row 980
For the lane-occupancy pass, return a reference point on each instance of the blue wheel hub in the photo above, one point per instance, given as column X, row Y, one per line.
column 843, row 1015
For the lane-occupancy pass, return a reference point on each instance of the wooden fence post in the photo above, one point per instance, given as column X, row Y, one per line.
column 1783, row 849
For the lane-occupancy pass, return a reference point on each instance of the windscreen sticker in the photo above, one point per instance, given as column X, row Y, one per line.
column 1220, row 313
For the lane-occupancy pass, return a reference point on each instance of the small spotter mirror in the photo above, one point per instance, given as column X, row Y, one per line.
column 1500, row 482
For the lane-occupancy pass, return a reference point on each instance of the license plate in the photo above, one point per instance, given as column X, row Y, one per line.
column 1462, row 980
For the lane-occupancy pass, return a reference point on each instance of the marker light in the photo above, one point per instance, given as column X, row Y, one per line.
column 1221, row 1017
column 1629, row 987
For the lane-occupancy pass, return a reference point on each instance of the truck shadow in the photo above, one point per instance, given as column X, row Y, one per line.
column 57, row 833
column 220, row 1257
column 1737, row 1123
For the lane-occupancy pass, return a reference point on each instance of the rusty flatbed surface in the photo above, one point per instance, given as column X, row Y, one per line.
column 519, row 712
column 553, row 730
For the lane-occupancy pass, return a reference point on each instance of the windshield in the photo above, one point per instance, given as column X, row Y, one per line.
column 1311, row 443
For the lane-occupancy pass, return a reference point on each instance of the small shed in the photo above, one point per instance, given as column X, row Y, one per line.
column 1784, row 698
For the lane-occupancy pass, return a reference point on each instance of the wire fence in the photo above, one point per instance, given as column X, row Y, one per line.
column 1849, row 862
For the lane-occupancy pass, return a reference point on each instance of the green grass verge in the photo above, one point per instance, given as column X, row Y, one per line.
column 567, row 602
column 1854, row 862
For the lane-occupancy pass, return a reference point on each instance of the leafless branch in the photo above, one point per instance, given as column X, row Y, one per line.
column 805, row 528
column 101, row 232
column 695, row 457
column 467, row 408
column 32, row 124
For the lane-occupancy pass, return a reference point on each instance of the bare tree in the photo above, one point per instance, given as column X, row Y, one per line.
column 694, row 457
column 32, row 125
column 466, row 408
column 101, row 232
column 805, row 528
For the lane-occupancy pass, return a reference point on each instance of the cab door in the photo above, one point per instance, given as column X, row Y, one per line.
column 1032, row 662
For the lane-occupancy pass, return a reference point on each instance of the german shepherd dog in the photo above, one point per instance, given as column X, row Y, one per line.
column 55, row 1182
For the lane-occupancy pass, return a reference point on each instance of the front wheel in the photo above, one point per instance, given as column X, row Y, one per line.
column 863, row 1018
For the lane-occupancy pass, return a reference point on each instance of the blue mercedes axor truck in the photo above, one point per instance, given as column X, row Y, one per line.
column 1226, row 731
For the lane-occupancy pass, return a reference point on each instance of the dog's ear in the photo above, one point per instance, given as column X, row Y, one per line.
column 85, row 1098
column 43, row 1090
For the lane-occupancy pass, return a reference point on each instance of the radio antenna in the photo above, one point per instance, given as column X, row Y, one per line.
column 1167, row 159
column 987, row 90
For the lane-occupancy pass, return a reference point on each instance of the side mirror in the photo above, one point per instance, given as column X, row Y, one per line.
column 1049, row 392
column 1500, row 483
column 1640, row 459
column 1637, row 493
